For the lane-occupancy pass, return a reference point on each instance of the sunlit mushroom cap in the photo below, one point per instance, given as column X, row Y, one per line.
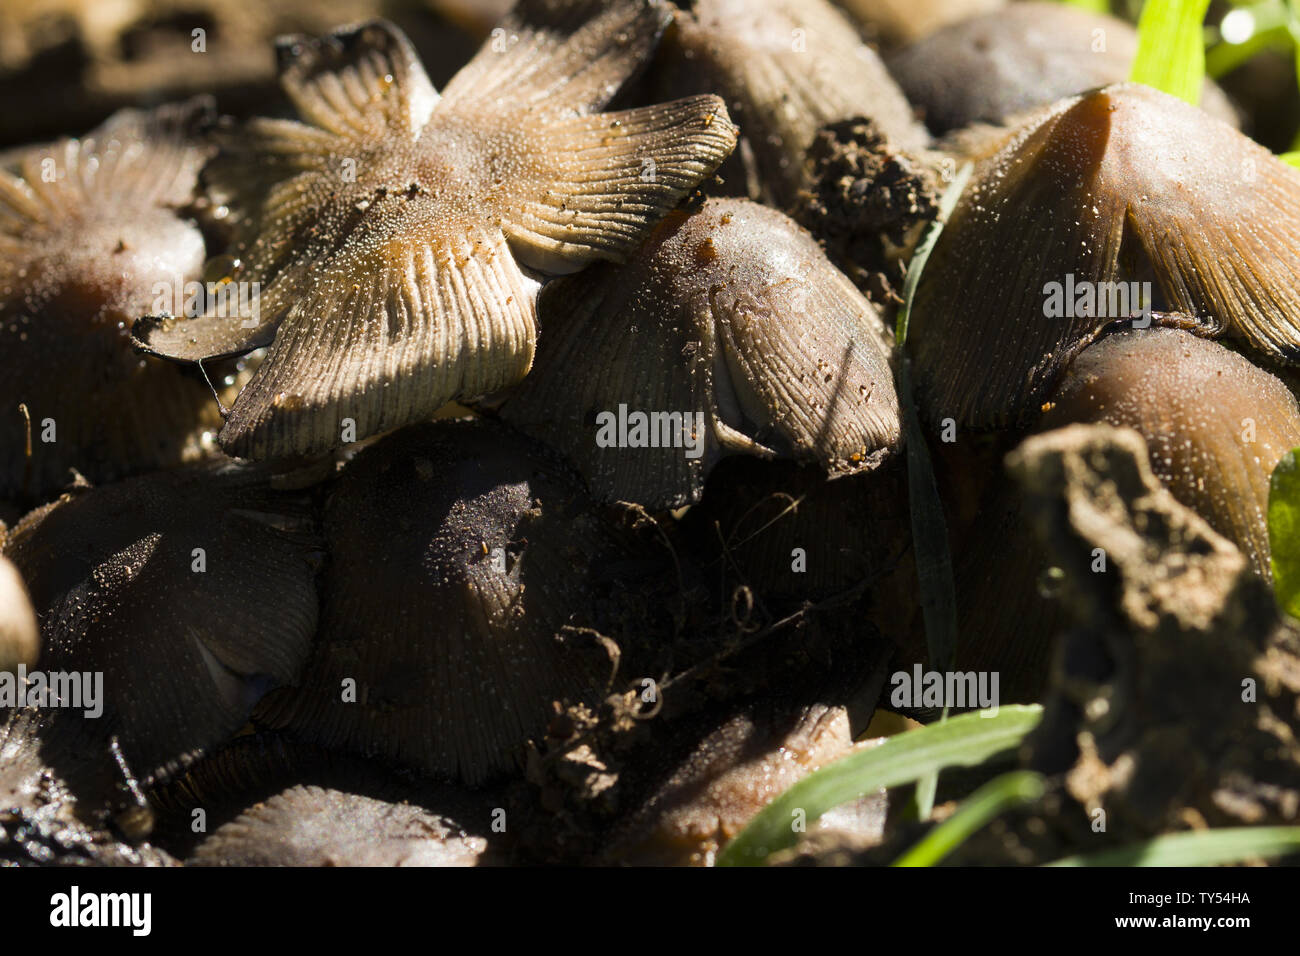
column 1215, row 425
column 786, row 68
column 20, row 639
column 468, row 581
column 89, row 240
column 390, row 230
column 1093, row 197
column 733, row 321
column 191, row 592
column 991, row 67
column 904, row 21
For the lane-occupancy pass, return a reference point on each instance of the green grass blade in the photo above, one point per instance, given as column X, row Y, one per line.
column 916, row 265
column 979, row 808
column 1284, row 532
column 961, row 742
column 1291, row 159
column 1171, row 47
column 1199, row 848
column 1095, row 6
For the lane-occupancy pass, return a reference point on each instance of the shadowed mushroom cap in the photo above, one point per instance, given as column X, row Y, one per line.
column 88, row 230
column 1215, row 425
column 316, row 826
column 20, row 639
column 787, row 68
column 190, row 592
column 389, row 231
column 733, row 320
column 989, row 68
column 1121, row 185
column 468, row 575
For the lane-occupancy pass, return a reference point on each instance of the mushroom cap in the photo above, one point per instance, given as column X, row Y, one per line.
column 905, row 21
column 190, row 592
column 317, row 826
column 1121, row 185
column 467, row 567
column 389, row 232
column 787, row 68
column 90, row 239
column 732, row 313
column 991, row 67
column 1215, row 425
column 20, row 638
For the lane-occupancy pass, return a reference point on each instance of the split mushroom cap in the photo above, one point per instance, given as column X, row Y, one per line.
column 317, row 826
column 391, row 229
column 20, row 639
column 192, row 592
column 991, row 67
column 469, row 577
column 786, row 68
column 1057, row 231
column 731, row 317
column 1215, row 425
column 89, row 237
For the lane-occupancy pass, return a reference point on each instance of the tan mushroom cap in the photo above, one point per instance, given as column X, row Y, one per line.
column 317, row 826
column 89, row 240
column 469, row 575
column 1120, row 185
column 20, row 638
column 391, row 229
column 905, row 21
column 991, row 67
column 1215, row 425
column 787, row 67
column 734, row 314
column 191, row 593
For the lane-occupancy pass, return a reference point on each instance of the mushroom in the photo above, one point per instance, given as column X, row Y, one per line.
column 20, row 639
column 730, row 332
column 1215, row 425
column 390, row 232
column 472, row 584
column 991, row 67
column 904, row 21
column 171, row 603
column 1059, row 230
column 785, row 68
column 90, row 239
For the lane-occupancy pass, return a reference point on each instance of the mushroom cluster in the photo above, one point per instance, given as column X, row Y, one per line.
column 406, row 460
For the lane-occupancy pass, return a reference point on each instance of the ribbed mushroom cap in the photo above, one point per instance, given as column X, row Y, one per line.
column 315, row 826
column 88, row 233
column 905, row 21
column 732, row 314
column 1215, row 425
column 991, row 67
column 191, row 592
column 467, row 566
column 389, row 231
column 1124, row 184
column 20, row 639
column 785, row 68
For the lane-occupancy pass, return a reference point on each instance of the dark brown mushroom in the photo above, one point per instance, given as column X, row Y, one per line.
column 1059, row 230
column 1215, row 425
column 786, row 68
column 390, row 231
column 730, row 332
column 992, row 67
column 89, row 240
column 472, row 583
column 169, row 604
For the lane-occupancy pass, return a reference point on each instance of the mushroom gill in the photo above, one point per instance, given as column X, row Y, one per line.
column 1215, row 425
column 190, row 593
column 730, row 332
column 89, row 238
column 470, row 583
column 1059, row 230
column 391, row 230
column 786, row 68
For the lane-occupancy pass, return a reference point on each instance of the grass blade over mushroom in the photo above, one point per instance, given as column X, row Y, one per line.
column 390, row 236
